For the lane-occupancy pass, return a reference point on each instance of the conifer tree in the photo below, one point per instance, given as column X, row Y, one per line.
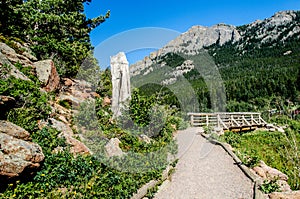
column 57, row 29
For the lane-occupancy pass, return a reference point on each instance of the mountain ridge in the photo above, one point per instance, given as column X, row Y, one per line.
column 280, row 27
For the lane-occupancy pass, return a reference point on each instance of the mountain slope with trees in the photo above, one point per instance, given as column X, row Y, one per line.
column 260, row 69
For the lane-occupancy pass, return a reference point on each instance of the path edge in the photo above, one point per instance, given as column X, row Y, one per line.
column 257, row 193
column 141, row 192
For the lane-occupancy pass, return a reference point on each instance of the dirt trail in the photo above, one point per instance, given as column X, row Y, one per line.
column 204, row 171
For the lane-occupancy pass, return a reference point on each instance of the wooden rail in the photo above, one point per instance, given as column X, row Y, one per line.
column 227, row 120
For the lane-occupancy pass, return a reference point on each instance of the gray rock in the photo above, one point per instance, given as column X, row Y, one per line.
column 190, row 43
column 17, row 155
column 218, row 130
column 13, row 70
column 120, row 82
column 13, row 130
column 285, row 195
column 145, row 138
column 272, row 173
column 14, row 57
column 47, row 74
column 283, row 185
column 60, row 126
column 112, row 148
column 72, row 100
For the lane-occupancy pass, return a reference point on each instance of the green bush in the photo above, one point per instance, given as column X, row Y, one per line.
column 28, row 71
column 31, row 104
column 269, row 186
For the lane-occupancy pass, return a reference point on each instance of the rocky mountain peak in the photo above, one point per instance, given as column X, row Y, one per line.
column 279, row 19
column 191, row 42
column 198, row 37
column 281, row 27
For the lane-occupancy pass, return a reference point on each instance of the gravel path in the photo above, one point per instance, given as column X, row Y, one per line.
column 204, row 171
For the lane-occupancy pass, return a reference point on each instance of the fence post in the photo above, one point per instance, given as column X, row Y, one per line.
column 192, row 120
column 207, row 120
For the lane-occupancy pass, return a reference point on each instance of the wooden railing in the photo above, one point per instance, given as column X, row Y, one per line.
column 227, row 120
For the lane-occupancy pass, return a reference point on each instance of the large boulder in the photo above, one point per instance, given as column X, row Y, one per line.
column 267, row 173
column 13, row 130
column 272, row 173
column 47, row 74
column 18, row 156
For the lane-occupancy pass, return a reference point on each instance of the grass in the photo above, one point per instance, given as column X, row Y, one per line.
column 278, row 150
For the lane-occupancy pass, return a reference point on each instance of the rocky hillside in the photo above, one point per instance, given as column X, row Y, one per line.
column 40, row 78
column 58, row 138
column 279, row 28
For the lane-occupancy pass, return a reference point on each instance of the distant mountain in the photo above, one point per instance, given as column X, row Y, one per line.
column 278, row 28
column 267, row 49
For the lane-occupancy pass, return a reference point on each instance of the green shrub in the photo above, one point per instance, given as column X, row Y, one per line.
column 31, row 104
column 65, row 104
column 48, row 139
column 27, row 71
column 269, row 186
column 180, row 123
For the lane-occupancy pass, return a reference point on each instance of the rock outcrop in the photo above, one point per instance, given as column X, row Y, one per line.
column 75, row 92
column 47, row 74
column 9, row 57
column 14, row 57
column 280, row 27
column 285, row 195
column 13, row 71
column 76, row 147
column 267, row 173
column 198, row 37
column 120, row 82
column 14, row 130
column 17, row 154
column 112, row 148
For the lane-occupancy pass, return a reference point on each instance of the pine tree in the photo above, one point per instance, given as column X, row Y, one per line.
column 59, row 29
column 10, row 21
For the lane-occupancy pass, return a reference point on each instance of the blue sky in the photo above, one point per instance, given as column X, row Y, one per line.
column 176, row 16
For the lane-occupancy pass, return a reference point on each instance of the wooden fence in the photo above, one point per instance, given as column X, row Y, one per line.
column 227, row 120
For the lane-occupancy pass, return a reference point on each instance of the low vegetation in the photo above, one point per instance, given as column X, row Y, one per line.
column 278, row 150
column 62, row 175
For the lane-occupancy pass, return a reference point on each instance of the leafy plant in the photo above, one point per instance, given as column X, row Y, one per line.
column 28, row 71
column 269, row 186
column 31, row 103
